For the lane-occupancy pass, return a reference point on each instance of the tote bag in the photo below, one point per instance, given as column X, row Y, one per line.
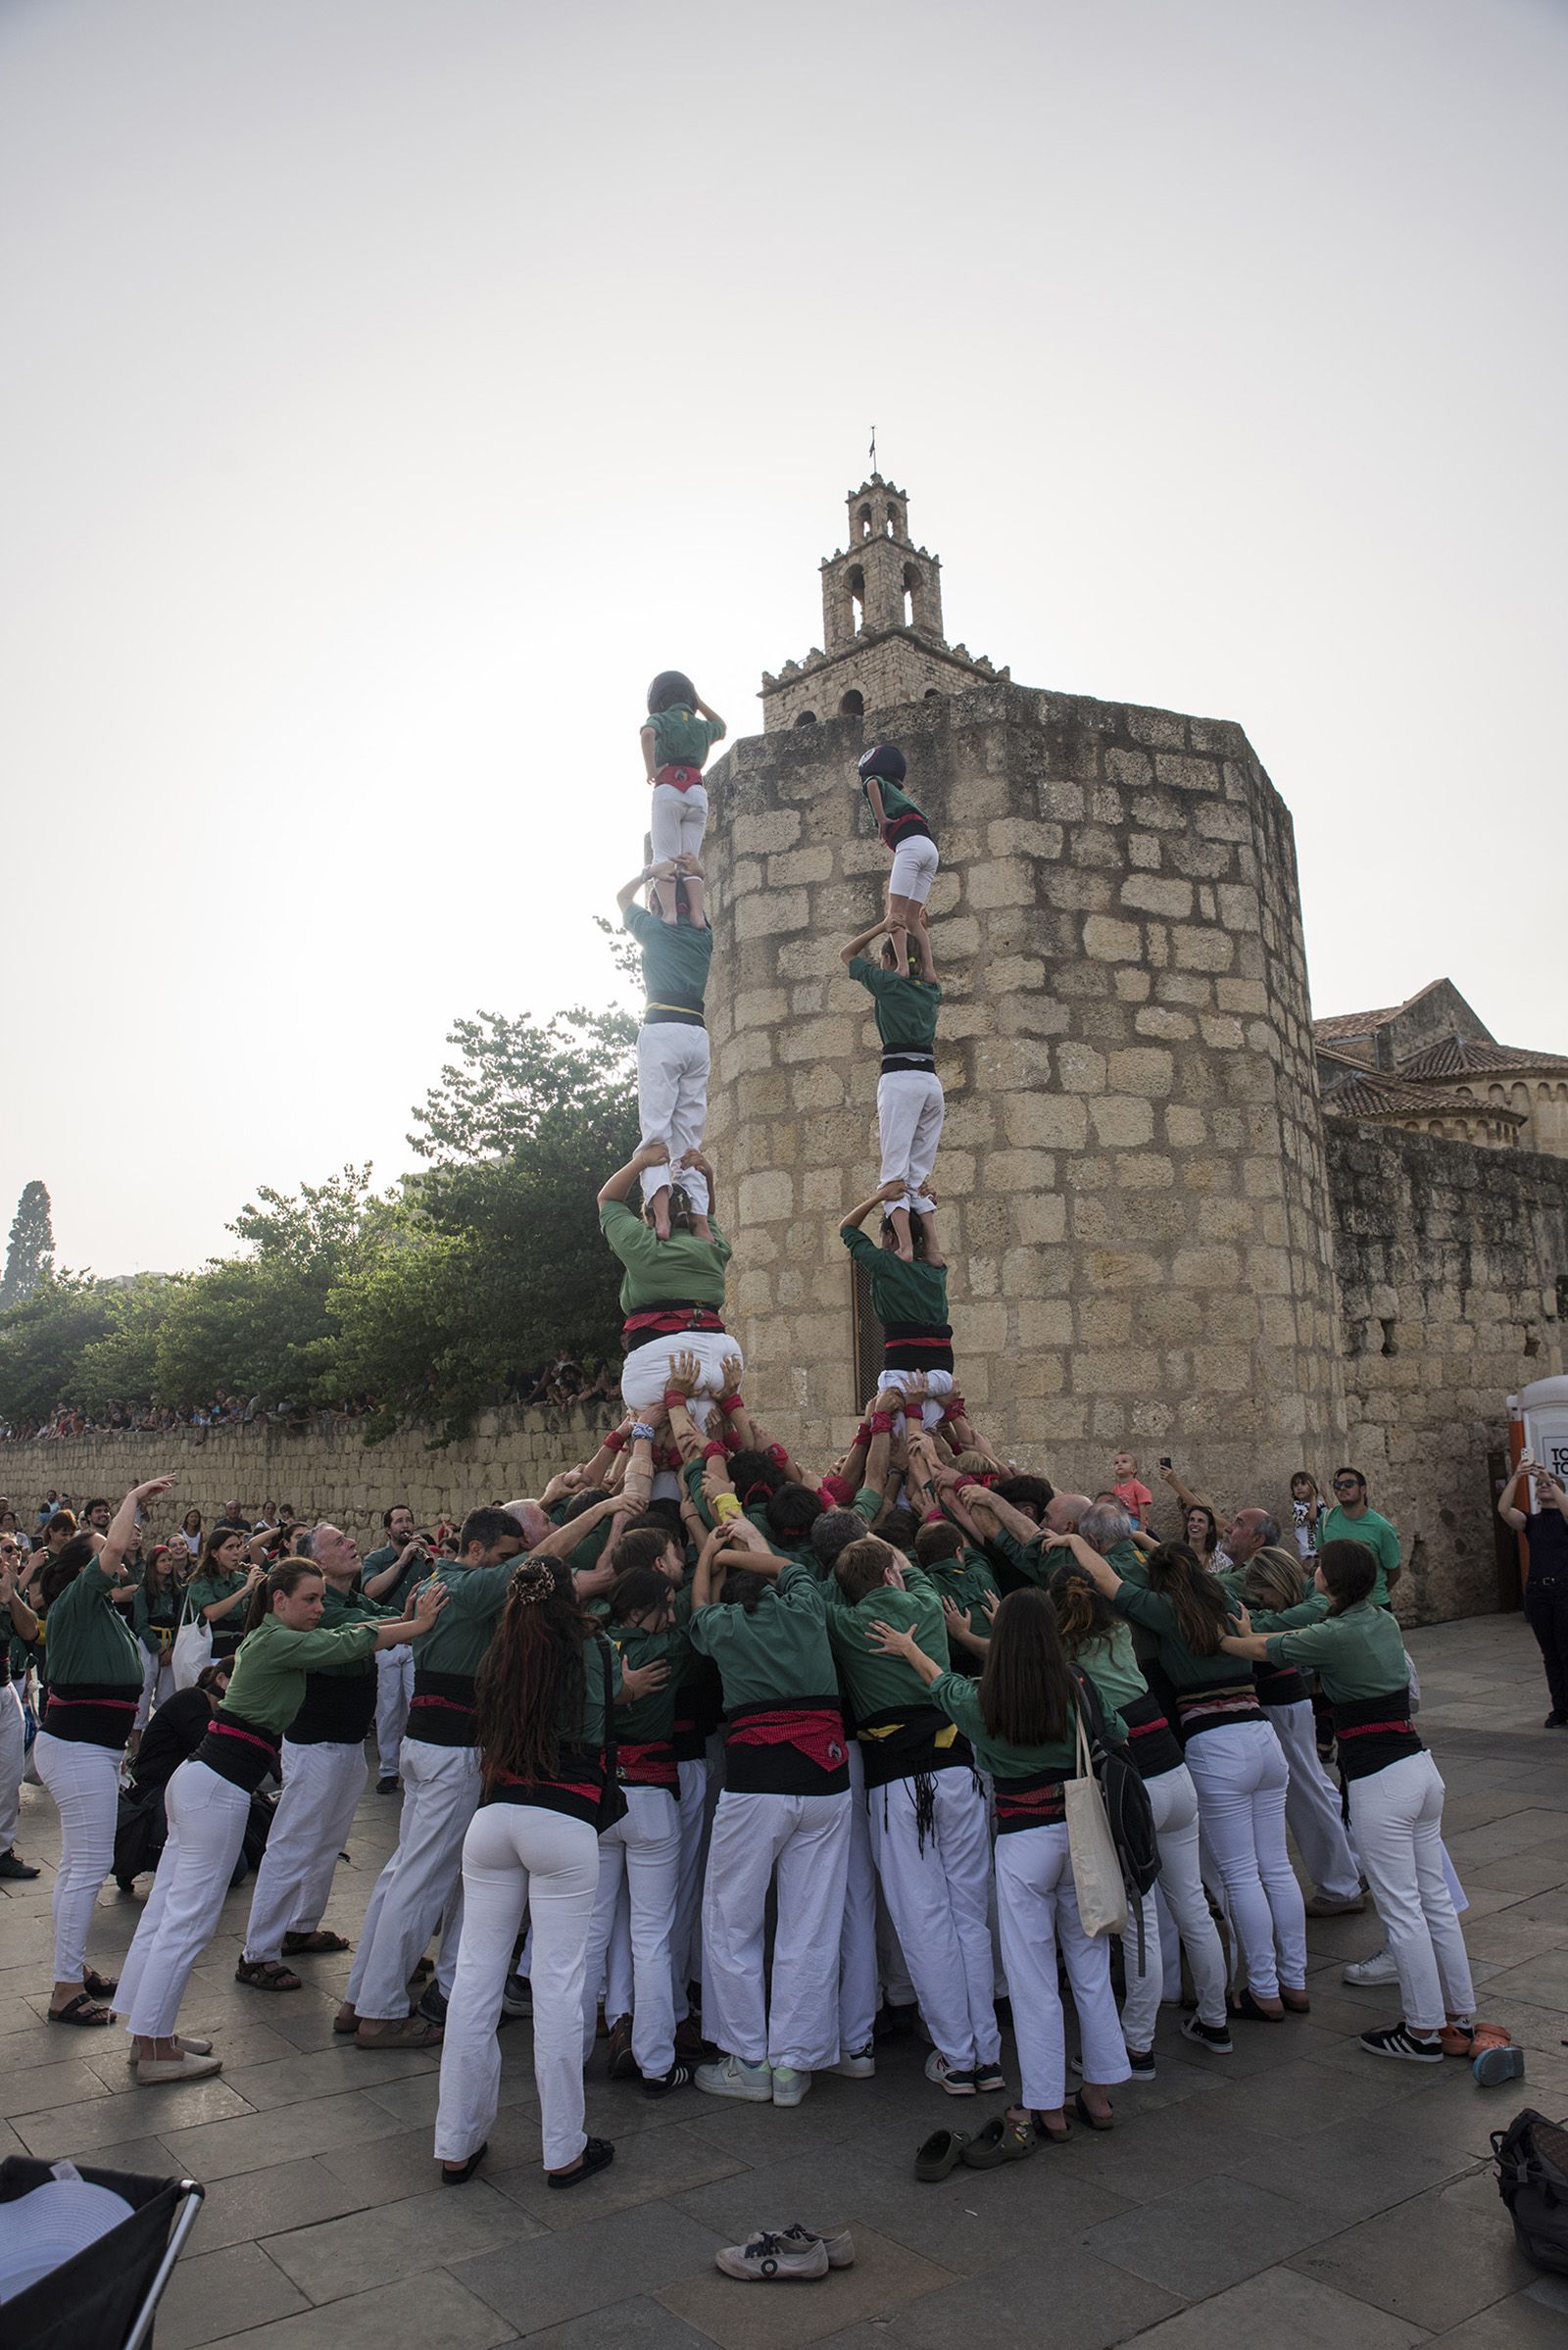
column 1095, row 1868
column 192, row 1651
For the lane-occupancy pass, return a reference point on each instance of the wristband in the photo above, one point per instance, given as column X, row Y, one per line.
column 934, row 1516
column 862, row 1436
column 729, row 1404
column 673, row 1396
column 954, row 1407
column 714, row 1453
column 614, row 1441
column 642, row 1432
column 725, row 1507
column 778, row 1456
column 666, row 1458
column 881, row 1423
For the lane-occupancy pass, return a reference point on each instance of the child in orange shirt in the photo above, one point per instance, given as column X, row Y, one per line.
column 1134, row 1497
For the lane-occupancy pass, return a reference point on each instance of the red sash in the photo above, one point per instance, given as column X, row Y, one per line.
column 679, row 776
column 820, row 1736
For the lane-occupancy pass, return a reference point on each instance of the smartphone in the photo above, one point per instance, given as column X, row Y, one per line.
column 1165, row 1461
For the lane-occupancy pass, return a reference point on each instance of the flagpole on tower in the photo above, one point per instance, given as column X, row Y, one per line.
column 874, row 448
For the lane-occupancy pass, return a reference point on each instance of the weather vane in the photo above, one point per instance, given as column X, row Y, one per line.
column 874, row 448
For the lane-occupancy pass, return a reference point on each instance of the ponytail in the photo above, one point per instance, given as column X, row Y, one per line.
column 1084, row 1614
column 285, row 1578
column 1196, row 1597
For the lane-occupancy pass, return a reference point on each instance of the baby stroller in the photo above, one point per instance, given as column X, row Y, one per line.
column 106, row 2297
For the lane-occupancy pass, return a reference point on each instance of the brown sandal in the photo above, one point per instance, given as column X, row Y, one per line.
column 312, row 1946
column 83, row 2008
column 409, row 2031
column 266, row 1975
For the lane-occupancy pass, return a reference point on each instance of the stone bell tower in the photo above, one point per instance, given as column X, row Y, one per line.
column 881, row 625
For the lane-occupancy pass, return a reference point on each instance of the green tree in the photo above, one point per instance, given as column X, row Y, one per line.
column 123, row 1362
column 42, row 1341
column 30, row 1255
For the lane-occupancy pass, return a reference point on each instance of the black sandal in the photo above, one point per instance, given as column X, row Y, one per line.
column 102, row 1986
column 597, row 2155
column 462, row 2176
column 1245, row 2006
column 82, row 2010
column 1036, row 2121
column 1090, row 2121
column 266, row 1974
column 313, row 1945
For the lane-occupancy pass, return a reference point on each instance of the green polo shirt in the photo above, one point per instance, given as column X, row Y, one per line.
column 1375, row 1534
column 895, row 804
column 1357, row 1655
column 457, row 1640
column 916, row 1293
column 681, row 739
column 267, row 1683
column 959, row 1700
column 89, row 1637
column 208, row 1590
column 396, row 1593
column 968, row 1581
column 651, row 1720
column 676, row 959
column 778, row 1653
column 1112, row 1664
column 342, row 1609
column 874, row 1681
column 683, row 1267
column 905, row 1009
column 1185, row 1670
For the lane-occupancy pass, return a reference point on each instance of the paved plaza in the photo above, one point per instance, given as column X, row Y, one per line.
column 1298, row 2191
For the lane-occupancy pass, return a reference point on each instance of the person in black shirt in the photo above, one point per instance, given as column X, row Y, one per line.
column 1545, row 1532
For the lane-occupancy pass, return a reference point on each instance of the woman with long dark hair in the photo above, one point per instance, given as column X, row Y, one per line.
column 1394, row 1795
column 533, row 1842
column 155, row 1620
column 1100, row 1644
column 94, row 1667
column 1019, row 1718
column 222, row 1586
column 208, row 1800
column 1237, row 1763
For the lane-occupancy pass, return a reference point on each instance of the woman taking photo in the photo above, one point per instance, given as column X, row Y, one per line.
column 220, row 1589
column 1394, row 1795
column 208, row 1800
column 1019, row 1718
column 95, row 1677
column 533, row 1842
column 1237, row 1763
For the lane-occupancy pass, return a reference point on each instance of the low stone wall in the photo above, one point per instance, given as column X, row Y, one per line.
column 328, row 1472
column 1448, row 1258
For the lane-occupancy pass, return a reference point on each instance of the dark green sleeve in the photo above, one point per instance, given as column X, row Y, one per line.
column 1145, row 1607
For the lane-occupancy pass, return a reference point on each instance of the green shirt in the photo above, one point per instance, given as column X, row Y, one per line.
column 874, row 1681
column 651, row 1720
column 457, row 1640
column 1357, row 1655
column 675, row 961
column 779, row 1652
column 895, row 804
column 968, row 1581
column 1112, row 1664
column 682, row 1267
column 1374, row 1533
column 149, row 1617
column 393, row 1597
column 915, row 1294
column 681, row 739
column 1185, row 1670
column 905, row 1009
column 267, row 1683
column 89, row 1637
column 209, row 1589
column 959, row 1700
column 341, row 1608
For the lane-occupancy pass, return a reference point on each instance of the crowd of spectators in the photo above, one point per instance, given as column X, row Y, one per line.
column 561, row 1383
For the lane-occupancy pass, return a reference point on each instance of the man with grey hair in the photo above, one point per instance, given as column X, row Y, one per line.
column 1249, row 1532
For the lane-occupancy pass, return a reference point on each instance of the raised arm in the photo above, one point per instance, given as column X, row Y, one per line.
column 428, row 1603
column 704, row 1166
column 624, row 1180
column 1097, row 1569
column 856, row 1215
column 861, row 939
column 663, row 872
column 123, row 1525
column 23, row 1622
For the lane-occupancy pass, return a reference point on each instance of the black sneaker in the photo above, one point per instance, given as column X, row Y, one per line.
column 432, row 2004
column 10, row 1866
column 955, row 2079
column 1553, row 1721
column 894, row 2022
column 988, row 2077
column 660, row 2084
column 388, row 1785
column 1142, row 2061
column 1216, row 2038
column 622, row 2063
column 1397, row 2039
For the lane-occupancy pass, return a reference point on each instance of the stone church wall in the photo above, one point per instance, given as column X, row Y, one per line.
column 327, row 1474
column 1448, row 1258
column 1132, row 1183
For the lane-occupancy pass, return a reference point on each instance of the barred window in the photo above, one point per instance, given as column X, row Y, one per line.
column 866, row 1334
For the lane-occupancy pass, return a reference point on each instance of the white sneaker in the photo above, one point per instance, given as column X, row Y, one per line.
column 788, row 2086
column 856, row 2064
column 952, row 2078
column 1379, row 1968
column 752, row 2084
column 769, row 2259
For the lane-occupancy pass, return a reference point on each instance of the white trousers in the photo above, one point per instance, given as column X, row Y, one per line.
column 1173, row 1800
column 440, row 1791
column 1036, row 1908
column 672, row 1062
column 84, row 1781
column 641, row 1852
column 645, row 1373
column 518, row 1855
column 937, row 1902
column 13, row 1755
column 698, row 1793
column 1312, row 1806
column 207, row 1818
column 1398, row 1818
column 678, row 821
column 394, row 1688
column 915, row 868
column 321, row 1785
column 1240, row 1773
column 157, row 1684
column 910, row 1109
column 858, row 1967
column 939, row 1386
column 806, row 1839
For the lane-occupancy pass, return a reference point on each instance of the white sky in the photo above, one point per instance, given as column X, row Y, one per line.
column 393, row 385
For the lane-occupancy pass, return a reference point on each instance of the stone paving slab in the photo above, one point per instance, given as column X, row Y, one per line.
column 1298, row 2191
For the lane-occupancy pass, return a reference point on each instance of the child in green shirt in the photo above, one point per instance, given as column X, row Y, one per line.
column 679, row 732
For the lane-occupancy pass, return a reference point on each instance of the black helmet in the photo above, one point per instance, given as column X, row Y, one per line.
column 884, row 761
column 669, row 688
